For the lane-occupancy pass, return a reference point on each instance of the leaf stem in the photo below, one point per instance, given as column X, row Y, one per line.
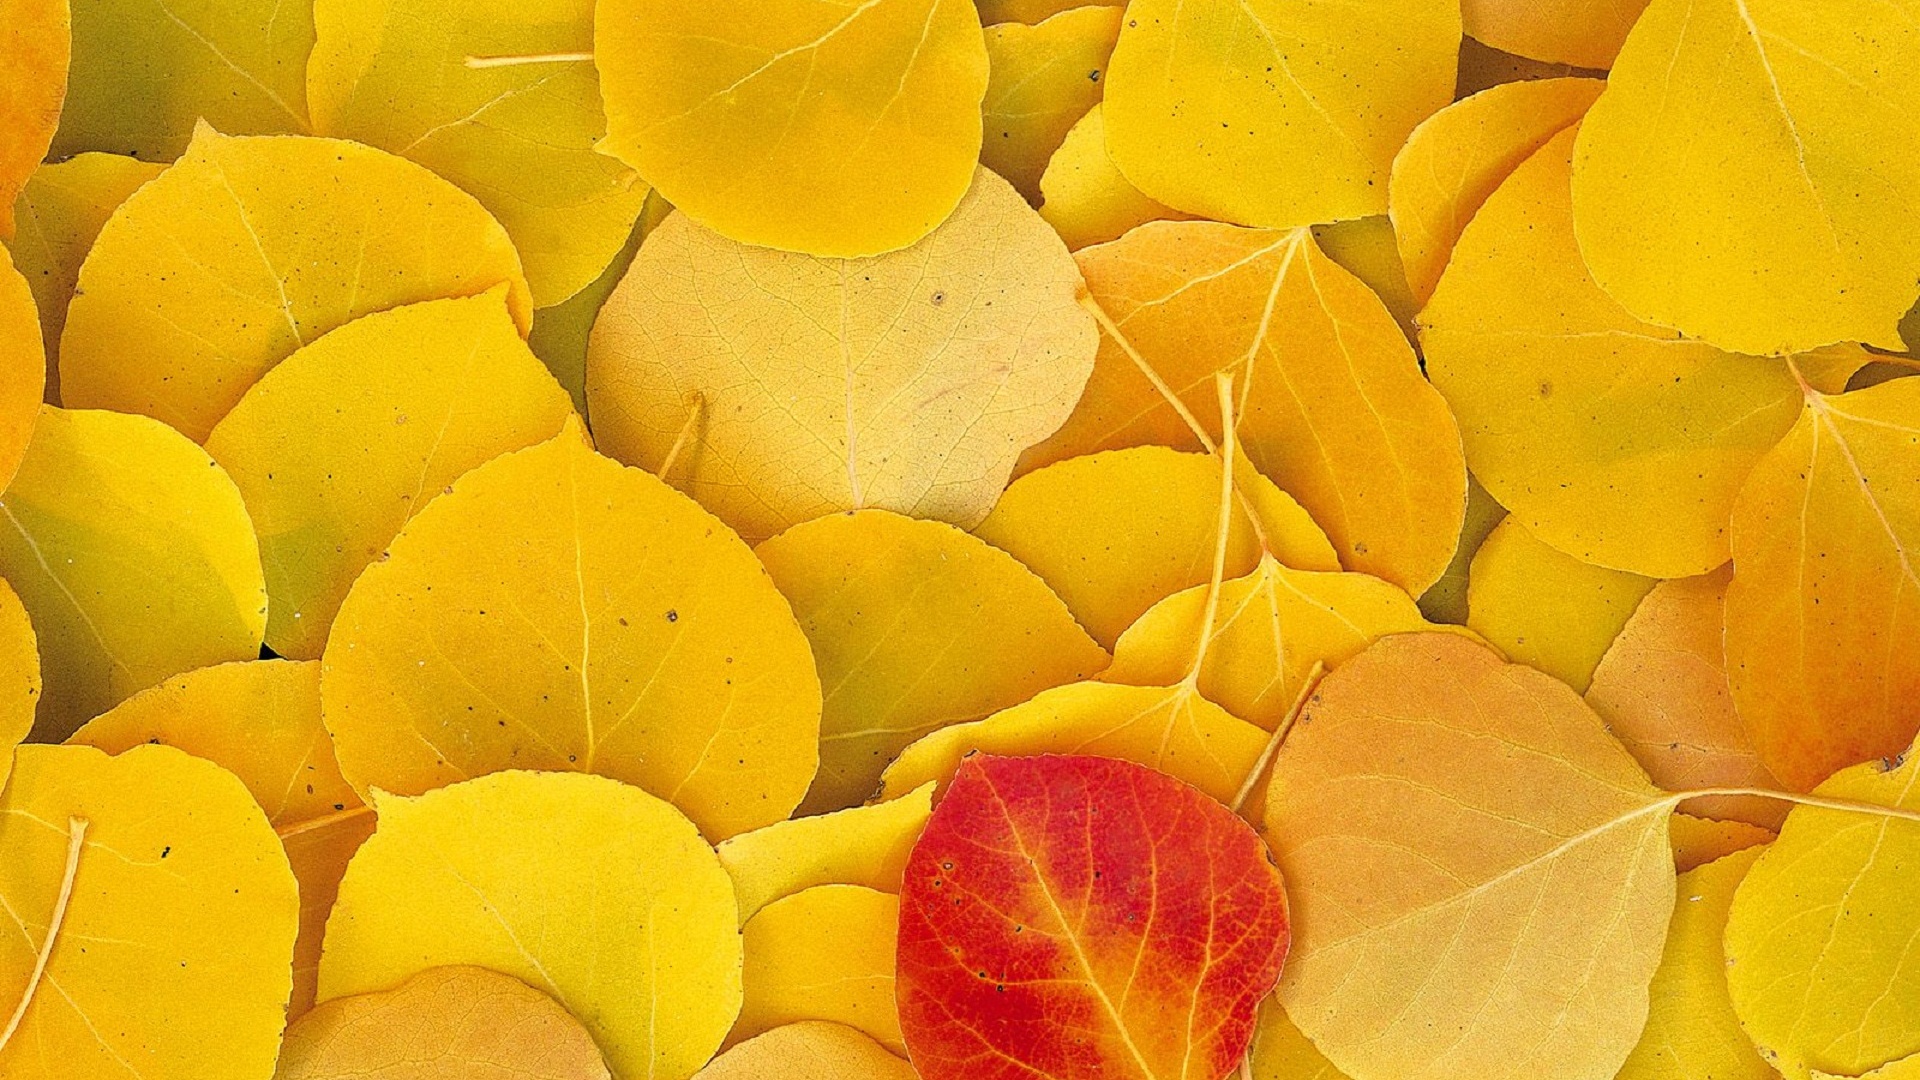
column 1223, row 529
column 321, row 822
column 532, row 58
column 1112, row 330
column 1798, row 799
column 1280, row 731
column 76, row 841
column 679, row 441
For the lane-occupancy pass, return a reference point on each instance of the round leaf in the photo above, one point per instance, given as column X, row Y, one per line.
column 1545, row 608
column 824, row 953
column 866, row 845
column 1087, row 199
column 1043, row 78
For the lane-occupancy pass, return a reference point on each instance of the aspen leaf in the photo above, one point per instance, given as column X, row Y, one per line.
column 1615, row 441
column 134, row 556
column 1367, row 248
column 1691, row 1030
column 1280, row 1052
column 1459, row 156
column 35, row 49
column 249, row 248
column 591, row 891
column 1824, row 594
column 153, row 916
column 1277, row 113
column 260, row 720
column 561, row 332
column 809, row 1050
column 1445, row 601
column 344, row 440
column 915, row 625
column 1042, row 79
column 1483, row 67
column 866, row 845
column 1698, row 841
column 1662, row 689
column 1741, row 180
column 1545, row 608
column 1584, row 33
column 1084, row 196
column 444, row 1022
column 1463, row 840
column 1333, row 407
column 58, row 214
column 803, row 385
column 1818, row 957
column 812, row 125
column 1032, row 12
column 557, row 610
column 1078, row 917
column 824, row 953
column 23, row 368
column 396, row 74
column 145, row 72
column 19, row 676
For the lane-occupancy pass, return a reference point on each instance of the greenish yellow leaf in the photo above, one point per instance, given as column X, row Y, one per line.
column 1545, row 608
column 1446, row 600
column 560, row 333
column 1085, row 197
column 1367, row 248
column 1280, row 1052
column 1043, row 78
column 824, row 953
column 866, row 845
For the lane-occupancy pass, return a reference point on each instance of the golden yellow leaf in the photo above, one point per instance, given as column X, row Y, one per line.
column 1368, row 249
column 133, row 554
column 1479, row 873
column 1825, row 593
column 145, row 72
column 1085, row 197
column 1545, row 608
column 1332, row 404
column 1043, row 78
column 560, row 333
column 915, row 625
column 809, row 1050
column 556, row 610
column 57, row 215
column 1584, row 33
column 794, row 386
column 1617, row 442
column 35, row 48
column 338, row 445
column 1692, row 1033
column 1280, row 1052
column 249, row 248
column 443, row 1023
column 818, row 126
column 152, row 917
column 1461, row 154
column 410, row 76
column 1662, row 689
column 1819, row 941
column 591, row 891
column 1277, row 113
column 824, row 953
column 19, row 676
column 1698, row 841
column 1445, row 600
column 867, row 845
column 1743, row 178
column 260, row 720
column 23, row 368
column 1169, row 728
column 1115, row 533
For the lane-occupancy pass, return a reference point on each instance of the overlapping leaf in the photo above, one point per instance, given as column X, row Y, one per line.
column 824, row 953
column 1545, row 608
column 23, row 368
column 866, row 845
column 1084, row 196
column 809, row 1050
column 1584, row 33
column 1042, row 79
column 35, row 50
column 19, row 677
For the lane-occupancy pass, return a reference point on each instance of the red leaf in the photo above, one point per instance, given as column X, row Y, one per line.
column 1082, row 917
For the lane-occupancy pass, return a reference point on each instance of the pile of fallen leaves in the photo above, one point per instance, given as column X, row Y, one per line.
column 875, row 539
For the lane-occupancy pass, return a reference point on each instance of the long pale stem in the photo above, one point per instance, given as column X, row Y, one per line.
column 532, row 58
column 1112, row 330
column 686, row 429
column 1223, row 530
column 76, row 841
column 325, row 820
column 1824, row 803
column 1279, row 736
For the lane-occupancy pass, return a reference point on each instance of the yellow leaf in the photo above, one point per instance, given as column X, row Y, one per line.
column 1584, row 33
column 795, row 386
column 815, row 126
column 133, row 554
column 810, row 1050
column 1819, row 941
column 35, row 48
column 1698, row 841
column 556, row 610
column 1461, row 154
column 1042, row 79
column 1276, row 113
column 1483, row 67
column 597, row 894
column 560, row 333
column 1086, row 199
column 152, row 917
column 1617, row 442
column 145, row 72
column 1367, row 248
column 1744, row 178
column 260, row 720
column 1445, row 600
column 1032, row 12
column 1547, row 609
column 1280, row 1052
column 1333, row 407
column 58, row 214
column 1662, row 689
column 915, row 625
column 1479, row 873
column 1273, row 626
column 23, row 368
column 824, row 953
column 444, row 1022
column 409, row 76
column 1825, row 593
column 249, row 248
column 1691, row 1030
column 344, row 440
column 867, row 845
column 19, row 676
column 1169, row 728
